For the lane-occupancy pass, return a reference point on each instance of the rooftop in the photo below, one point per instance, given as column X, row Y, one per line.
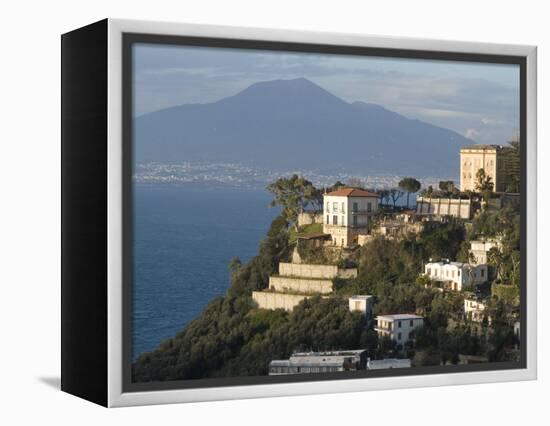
column 313, row 236
column 400, row 316
column 343, row 352
column 446, row 262
column 309, row 362
column 482, row 146
column 351, row 192
column 361, row 297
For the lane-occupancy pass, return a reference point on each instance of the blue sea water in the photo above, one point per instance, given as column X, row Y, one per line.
column 184, row 238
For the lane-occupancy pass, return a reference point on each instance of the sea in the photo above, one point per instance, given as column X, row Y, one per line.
column 184, row 238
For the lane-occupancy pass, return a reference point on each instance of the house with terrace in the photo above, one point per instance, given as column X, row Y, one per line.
column 347, row 213
column 456, row 275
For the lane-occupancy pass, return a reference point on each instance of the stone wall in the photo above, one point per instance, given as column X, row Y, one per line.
column 348, row 273
column 271, row 300
column 300, row 285
column 444, row 207
column 308, row 218
column 304, row 270
column 307, row 271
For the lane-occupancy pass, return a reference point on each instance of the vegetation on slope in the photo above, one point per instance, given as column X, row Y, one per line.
column 233, row 338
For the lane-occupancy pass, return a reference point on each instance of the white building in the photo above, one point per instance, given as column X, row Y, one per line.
column 361, row 304
column 319, row 362
column 480, row 248
column 475, row 309
column 398, row 327
column 456, row 275
column 384, row 364
column 346, row 214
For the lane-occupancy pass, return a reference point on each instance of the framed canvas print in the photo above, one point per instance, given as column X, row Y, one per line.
column 251, row 213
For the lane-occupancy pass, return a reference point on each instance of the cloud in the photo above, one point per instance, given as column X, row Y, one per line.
column 471, row 134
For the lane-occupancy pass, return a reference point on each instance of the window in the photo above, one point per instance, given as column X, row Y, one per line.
column 343, row 209
column 355, row 220
column 335, row 220
column 369, row 207
column 453, row 274
column 328, row 219
column 355, row 207
column 411, row 323
column 398, row 336
column 328, row 207
column 429, row 271
column 335, row 207
column 482, row 273
column 343, row 242
column 458, row 272
column 398, row 324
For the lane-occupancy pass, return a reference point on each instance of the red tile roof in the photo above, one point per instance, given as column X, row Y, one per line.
column 352, row 192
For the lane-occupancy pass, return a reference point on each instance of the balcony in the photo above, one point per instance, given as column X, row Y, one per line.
column 384, row 328
column 362, row 212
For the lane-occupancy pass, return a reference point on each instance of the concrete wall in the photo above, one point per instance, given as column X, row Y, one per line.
column 308, row 218
column 269, row 300
column 308, row 271
column 300, row 285
column 348, row 273
column 444, row 207
column 315, row 271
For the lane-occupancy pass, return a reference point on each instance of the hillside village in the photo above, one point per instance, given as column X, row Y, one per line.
column 324, row 264
column 350, row 278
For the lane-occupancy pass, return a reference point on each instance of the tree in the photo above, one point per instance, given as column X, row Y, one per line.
column 447, row 185
column 294, row 194
column 495, row 259
column 234, row 265
column 395, row 194
column 409, row 185
column 430, row 191
column 513, row 165
column 384, row 196
column 484, row 185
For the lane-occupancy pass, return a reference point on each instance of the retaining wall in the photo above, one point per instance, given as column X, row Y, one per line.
column 269, row 300
column 315, row 271
column 309, row 218
column 444, row 207
column 300, row 285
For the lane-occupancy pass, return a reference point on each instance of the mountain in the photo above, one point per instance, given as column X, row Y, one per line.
column 298, row 125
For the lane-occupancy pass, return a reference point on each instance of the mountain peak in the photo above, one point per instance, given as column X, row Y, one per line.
column 296, row 90
column 293, row 83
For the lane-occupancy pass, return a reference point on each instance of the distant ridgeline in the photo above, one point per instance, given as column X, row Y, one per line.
column 260, row 125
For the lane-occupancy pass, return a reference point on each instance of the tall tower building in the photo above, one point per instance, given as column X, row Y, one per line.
column 491, row 158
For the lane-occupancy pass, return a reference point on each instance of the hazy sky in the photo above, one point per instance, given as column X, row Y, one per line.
column 479, row 101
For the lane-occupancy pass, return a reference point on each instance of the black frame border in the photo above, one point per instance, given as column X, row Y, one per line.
column 130, row 39
column 84, row 185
